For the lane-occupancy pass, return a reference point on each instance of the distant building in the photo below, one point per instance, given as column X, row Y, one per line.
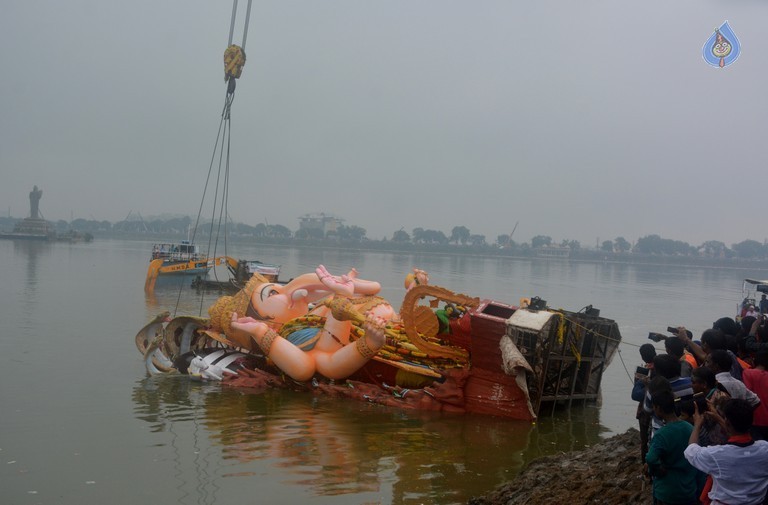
column 322, row 222
column 553, row 251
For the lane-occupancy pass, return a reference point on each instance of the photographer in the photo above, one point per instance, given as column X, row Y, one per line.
column 666, row 367
column 698, row 351
column 711, row 340
column 705, row 387
column 756, row 339
column 642, row 377
column 674, row 479
column 675, row 347
column 720, row 362
column 739, row 469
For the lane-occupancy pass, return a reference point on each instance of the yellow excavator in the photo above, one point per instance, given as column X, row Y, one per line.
column 241, row 270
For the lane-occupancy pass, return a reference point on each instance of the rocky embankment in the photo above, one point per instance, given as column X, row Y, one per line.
column 606, row 473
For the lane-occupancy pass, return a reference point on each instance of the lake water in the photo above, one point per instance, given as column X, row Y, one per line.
column 81, row 422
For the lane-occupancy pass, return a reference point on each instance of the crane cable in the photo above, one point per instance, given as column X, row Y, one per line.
column 234, row 60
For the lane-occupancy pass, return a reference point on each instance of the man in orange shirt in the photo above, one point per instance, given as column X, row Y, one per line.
column 675, row 347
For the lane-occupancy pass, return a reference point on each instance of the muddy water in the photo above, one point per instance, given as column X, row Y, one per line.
column 82, row 424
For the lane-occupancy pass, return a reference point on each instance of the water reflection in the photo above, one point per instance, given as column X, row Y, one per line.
column 176, row 295
column 330, row 448
column 31, row 250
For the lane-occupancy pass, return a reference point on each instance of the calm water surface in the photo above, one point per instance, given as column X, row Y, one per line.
column 81, row 422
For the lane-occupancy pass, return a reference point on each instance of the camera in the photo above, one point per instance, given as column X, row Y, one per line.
column 641, row 370
column 687, row 402
column 673, row 330
column 656, row 337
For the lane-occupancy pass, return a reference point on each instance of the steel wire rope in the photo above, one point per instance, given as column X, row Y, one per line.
column 223, row 127
column 219, row 183
column 223, row 209
column 232, row 22
column 606, row 337
column 224, row 133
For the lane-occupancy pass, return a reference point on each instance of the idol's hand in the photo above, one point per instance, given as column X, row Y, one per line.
column 249, row 325
column 340, row 285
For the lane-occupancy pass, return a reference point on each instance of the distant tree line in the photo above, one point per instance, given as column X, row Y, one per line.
column 460, row 238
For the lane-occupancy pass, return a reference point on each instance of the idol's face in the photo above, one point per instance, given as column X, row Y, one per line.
column 278, row 303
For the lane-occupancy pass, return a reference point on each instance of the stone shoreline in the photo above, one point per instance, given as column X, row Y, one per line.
column 607, row 473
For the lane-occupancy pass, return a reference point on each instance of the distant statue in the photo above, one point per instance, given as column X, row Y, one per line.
column 34, row 202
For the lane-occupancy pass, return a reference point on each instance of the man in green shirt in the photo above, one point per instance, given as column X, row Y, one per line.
column 675, row 481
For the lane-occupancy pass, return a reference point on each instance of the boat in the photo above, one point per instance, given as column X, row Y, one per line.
column 447, row 352
column 185, row 258
column 74, row 236
column 175, row 259
column 750, row 290
column 241, row 272
column 27, row 232
column 182, row 258
column 268, row 270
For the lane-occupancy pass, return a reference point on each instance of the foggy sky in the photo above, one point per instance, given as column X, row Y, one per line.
column 579, row 119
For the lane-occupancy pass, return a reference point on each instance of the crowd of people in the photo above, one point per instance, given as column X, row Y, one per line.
column 703, row 414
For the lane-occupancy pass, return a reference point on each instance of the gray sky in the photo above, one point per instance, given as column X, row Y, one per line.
column 580, row 119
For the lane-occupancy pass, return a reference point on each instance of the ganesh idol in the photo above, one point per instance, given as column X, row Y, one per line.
column 293, row 325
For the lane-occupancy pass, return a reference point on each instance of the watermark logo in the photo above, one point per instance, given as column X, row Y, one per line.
column 722, row 48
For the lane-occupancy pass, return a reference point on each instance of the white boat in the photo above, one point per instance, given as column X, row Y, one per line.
column 751, row 289
column 268, row 270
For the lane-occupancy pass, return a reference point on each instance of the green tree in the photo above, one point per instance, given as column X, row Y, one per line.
column 713, row 249
column 749, row 249
column 401, row 236
column 435, row 237
column 540, row 240
column 622, row 245
column 355, row 233
column 477, row 240
column 260, row 230
column 654, row 244
column 418, row 235
column 460, row 234
column 278, row 230
column 607, row 246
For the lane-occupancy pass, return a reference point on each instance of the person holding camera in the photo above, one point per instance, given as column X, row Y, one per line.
column 755, row 340
column 675, row 347
column 706, row 391
column 720, row 362
column 675, row 480
column 739, row 468
column 712, row 340
column 642, row 377
column 665, row 367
